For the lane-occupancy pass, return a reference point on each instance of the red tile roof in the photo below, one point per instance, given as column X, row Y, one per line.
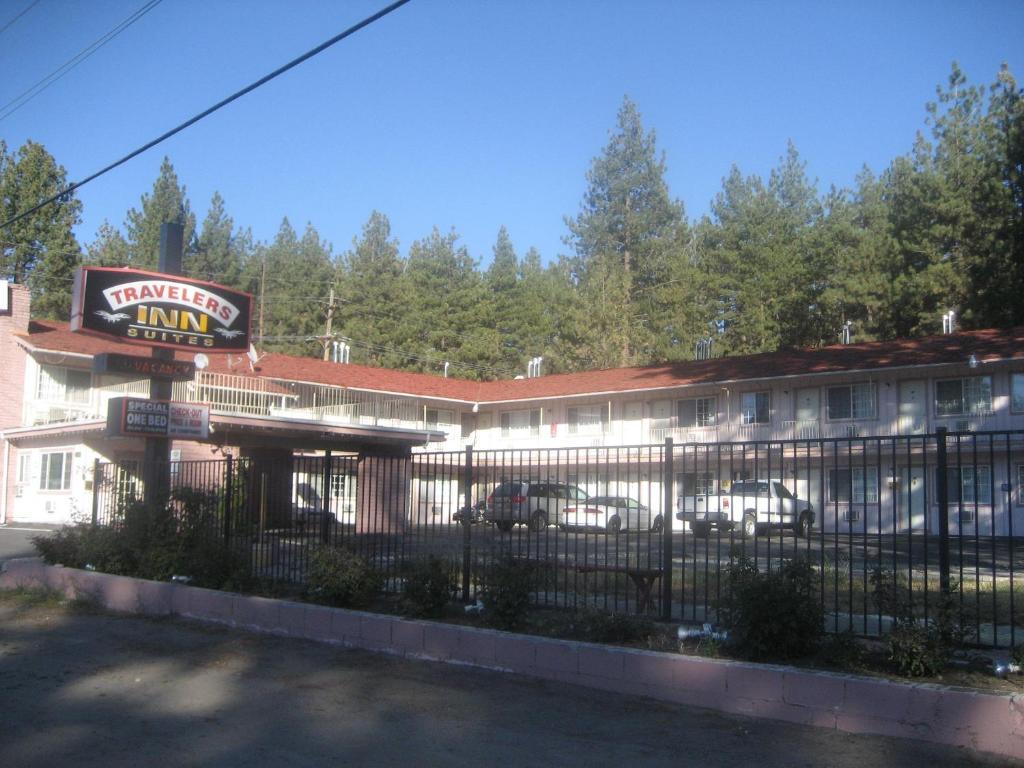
column 986, row 345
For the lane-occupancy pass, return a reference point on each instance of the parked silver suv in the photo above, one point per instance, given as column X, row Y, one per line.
column 531, row 502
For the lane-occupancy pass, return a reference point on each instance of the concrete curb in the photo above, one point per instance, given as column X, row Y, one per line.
column 985, row 721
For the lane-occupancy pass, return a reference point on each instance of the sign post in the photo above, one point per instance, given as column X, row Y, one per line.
column 156, row 470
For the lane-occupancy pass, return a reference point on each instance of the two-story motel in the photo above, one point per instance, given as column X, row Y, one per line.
column 53, row 413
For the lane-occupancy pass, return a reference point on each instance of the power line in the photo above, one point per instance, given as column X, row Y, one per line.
column 207, row 112
column 10, row 23
column 25, row 97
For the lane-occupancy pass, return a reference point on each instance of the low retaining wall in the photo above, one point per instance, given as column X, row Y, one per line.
column 985, row 721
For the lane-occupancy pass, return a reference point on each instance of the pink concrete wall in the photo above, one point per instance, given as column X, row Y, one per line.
column 12, row 375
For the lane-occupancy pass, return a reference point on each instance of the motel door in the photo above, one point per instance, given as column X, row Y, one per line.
column 912, row 408
column 808, row 411
column 909, row 501
column 632, row 423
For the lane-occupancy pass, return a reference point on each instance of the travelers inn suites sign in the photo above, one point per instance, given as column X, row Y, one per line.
column 160, row 310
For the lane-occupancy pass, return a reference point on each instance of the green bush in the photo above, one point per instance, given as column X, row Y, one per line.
column 506, row 595
column 1017, row 655
column 338, row 576
column 919, row 648
column 180, row 537
column 842, row 650
column 429, row 587
column 773, row 615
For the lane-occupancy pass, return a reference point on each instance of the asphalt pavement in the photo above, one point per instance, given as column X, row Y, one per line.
column 84, row 689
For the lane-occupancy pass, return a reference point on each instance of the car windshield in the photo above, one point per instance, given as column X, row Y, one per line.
column 610, row 501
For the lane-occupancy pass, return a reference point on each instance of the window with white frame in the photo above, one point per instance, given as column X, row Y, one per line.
column 969, row 485
column 55, row 471
column 964, row 397
column 1017, row 393
column 853, row 484
column 696, row 483
column 851, row 401
column 520, row 423
column 588, row 419
column 439, row 418
column 63, row 385
column 755, row 407
column 697, row 412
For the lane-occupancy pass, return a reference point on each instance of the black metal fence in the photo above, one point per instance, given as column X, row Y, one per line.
column 935, row 517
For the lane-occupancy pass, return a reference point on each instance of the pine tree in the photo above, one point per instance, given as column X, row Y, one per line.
column 166, row 204
column 624, row 238
column 39, row 250
column 220, row 252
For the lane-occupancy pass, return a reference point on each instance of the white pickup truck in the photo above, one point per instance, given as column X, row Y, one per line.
column 752, row 506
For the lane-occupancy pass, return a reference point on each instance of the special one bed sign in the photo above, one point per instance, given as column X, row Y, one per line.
column 160, row 310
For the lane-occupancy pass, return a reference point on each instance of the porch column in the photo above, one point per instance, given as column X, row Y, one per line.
column 382, row 483
column 269, row 486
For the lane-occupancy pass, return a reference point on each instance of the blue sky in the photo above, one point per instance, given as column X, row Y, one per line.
column 477, row 114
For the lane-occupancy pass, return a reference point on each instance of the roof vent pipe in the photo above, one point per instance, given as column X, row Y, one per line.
column 446, row 369
column 533, row 367
column 845, row 336
column 949, row 322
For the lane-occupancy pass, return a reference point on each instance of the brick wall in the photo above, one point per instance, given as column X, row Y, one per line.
column 12, row 375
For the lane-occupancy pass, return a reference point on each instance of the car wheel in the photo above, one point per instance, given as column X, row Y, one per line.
column 749, row 525
column 804, row 525
column 613, row 526
column 658, row 525
column 503, row 525
column 701, row 530
column 539, row 521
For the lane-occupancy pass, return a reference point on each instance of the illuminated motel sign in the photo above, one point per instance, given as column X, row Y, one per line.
column 160, row 310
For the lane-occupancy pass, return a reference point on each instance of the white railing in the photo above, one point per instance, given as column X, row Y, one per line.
column 802, row 429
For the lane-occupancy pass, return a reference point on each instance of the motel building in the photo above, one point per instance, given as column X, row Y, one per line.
column 845, row 426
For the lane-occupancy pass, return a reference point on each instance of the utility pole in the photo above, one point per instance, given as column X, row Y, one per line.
column 263, row 285
column 326, row 340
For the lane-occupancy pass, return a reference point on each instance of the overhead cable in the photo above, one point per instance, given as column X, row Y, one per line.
column 207, row 112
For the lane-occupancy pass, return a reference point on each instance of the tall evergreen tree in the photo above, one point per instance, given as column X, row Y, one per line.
column 624, row 237
column 371, row 295
column 219, row 252
column 166, row 204
column 39, row 250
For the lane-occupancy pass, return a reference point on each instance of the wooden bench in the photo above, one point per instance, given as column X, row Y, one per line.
column 643, row 578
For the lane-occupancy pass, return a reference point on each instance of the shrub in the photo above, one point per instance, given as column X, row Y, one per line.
column 429, row 587
column 338, row 576
column 506, row 594
column 1017, row 655
column 842, row 650
column 919, row 648
column 76, row 546
column 773, row 615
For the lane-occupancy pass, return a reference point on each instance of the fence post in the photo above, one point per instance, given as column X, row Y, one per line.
column 229, row 489
column 467, row 483
column 942, row 494
column 325, row 500
column 96, row 478
column 666, row 532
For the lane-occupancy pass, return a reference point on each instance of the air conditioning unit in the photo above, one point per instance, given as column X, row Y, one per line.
column 967, row 516
column 851, row 430
column 963, row 425
column 851, row 515
column 50, row 506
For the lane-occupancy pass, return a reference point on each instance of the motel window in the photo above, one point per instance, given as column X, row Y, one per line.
column 1017, row 393
column 851, row 401
column 439, row 418
column 65, row 385
column 696, row 412
column 755, row 407
column 696, row 483
column 854, row 484
column 964, row 397
column 588, row 419
column 520, row 424
column 55, row 471
column 969, row 485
